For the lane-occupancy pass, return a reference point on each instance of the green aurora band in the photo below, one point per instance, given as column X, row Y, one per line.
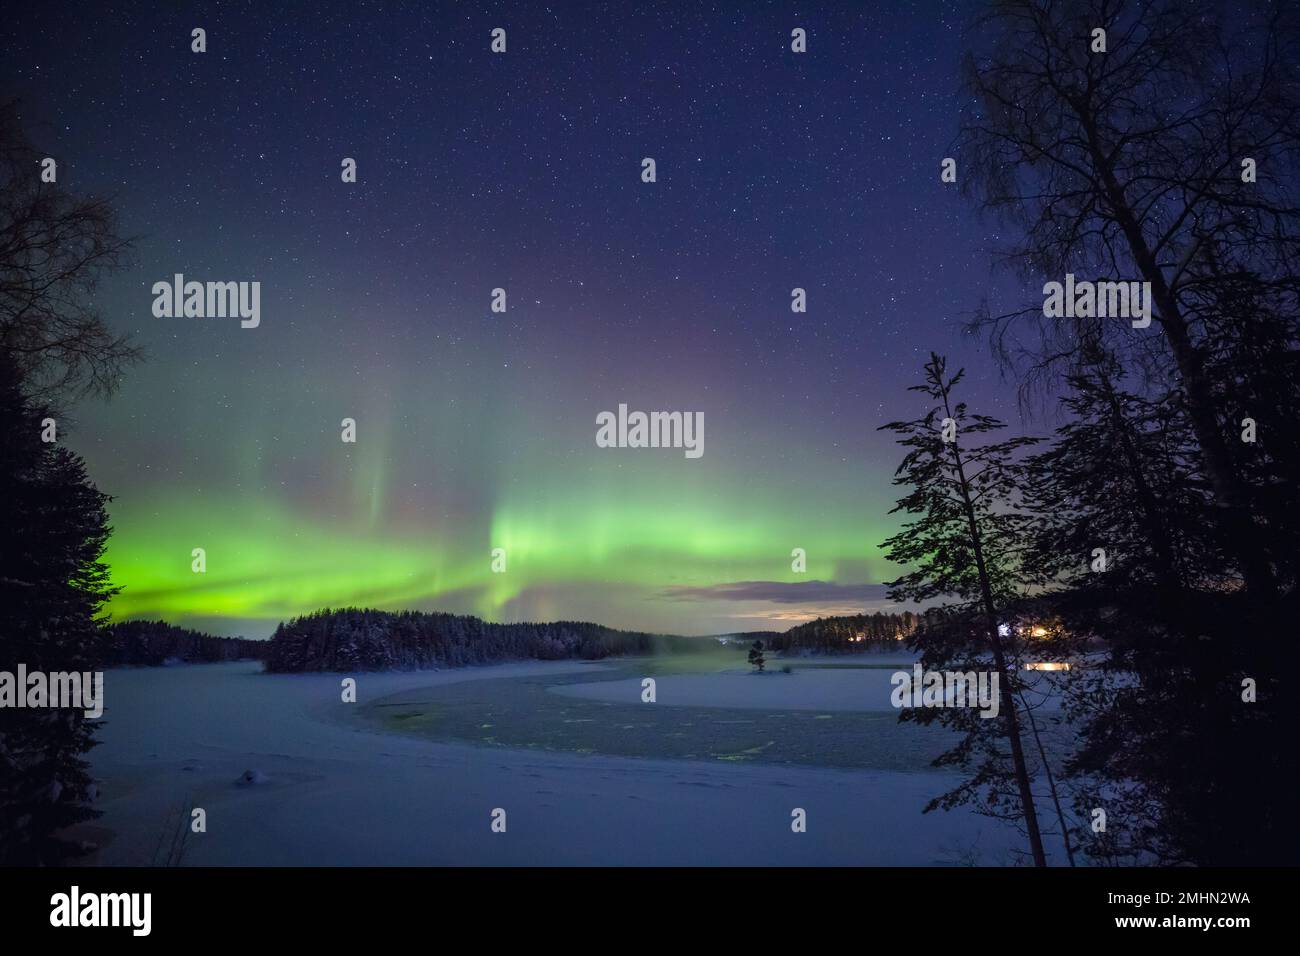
column 266, row 563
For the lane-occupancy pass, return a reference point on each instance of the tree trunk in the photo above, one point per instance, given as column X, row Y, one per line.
column 1051, row 782
column 1234, row 512
column 999, row 660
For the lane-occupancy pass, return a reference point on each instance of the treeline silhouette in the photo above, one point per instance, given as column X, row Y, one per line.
column 353, row 639
column 152, row 643
column 853, row 633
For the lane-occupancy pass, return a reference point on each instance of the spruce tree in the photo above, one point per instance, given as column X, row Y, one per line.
column 53, row 527
column 1163, row 731
column 964, row 544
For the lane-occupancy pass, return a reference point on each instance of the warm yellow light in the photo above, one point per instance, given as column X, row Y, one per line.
column 1047, row 666
column 1039, row 632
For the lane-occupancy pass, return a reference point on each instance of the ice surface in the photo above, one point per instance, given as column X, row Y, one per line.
column 815, row 688
column 337, row 793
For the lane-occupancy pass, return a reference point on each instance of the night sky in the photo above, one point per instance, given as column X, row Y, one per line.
column 522, row 171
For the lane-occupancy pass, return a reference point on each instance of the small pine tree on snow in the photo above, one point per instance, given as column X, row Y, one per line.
column 756, row 656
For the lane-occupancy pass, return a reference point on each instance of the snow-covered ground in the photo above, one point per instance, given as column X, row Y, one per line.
column 335, row 791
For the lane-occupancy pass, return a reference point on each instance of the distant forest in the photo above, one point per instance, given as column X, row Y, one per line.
column 852, row 634
column 152, row 643
column 351, row 639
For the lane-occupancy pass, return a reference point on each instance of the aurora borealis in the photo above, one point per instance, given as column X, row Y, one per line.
column 521, row 171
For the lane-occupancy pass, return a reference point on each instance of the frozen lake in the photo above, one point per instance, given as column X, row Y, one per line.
column 358, row 784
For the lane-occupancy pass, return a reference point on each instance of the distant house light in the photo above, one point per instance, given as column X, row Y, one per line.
column 1047, row 666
